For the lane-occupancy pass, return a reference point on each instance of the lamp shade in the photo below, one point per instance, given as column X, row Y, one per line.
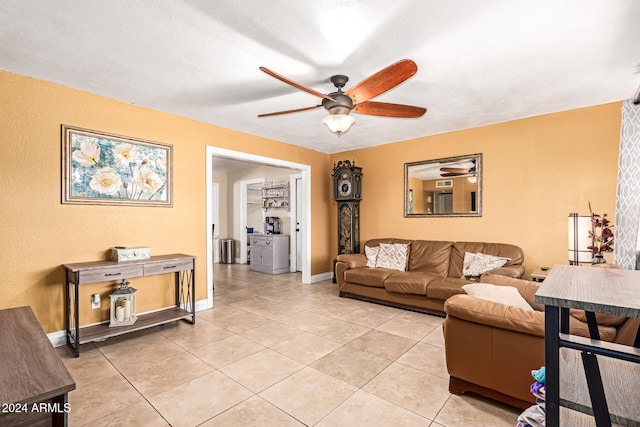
column 578, row 229
column 339, row 123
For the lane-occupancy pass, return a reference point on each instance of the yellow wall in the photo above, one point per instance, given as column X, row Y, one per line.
column 536, row 171
column 39, row 234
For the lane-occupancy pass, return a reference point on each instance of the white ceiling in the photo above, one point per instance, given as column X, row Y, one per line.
column 479, row 62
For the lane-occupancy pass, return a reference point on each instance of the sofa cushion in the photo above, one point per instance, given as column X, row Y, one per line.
column 444, row 287
column 393, row 256
column 507, row 295
column 504, row 250
column 430, row 257
column 476, row 264
column 408, row 282
column 368, row 276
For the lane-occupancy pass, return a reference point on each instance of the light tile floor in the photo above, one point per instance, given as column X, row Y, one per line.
column 275, row 352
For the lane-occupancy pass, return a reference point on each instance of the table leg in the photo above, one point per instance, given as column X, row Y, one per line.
column 596, row 390
column 77, row 318
column 594, row 333
column 60, row 418
column 67, row 312
column 552, row 364
column 193, row 295
column 72, row 314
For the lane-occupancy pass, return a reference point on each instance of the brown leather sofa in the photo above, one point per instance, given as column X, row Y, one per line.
column 433, row 273
column 491, row 348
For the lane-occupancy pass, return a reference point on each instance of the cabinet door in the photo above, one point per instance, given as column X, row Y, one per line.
column 267, row 256
column 256, row 257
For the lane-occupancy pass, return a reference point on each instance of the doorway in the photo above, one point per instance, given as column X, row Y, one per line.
column 303, row 212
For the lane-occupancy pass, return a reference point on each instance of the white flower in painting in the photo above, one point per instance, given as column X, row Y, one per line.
column 147, row 180
column 161, row 163
column 124, row 153
column 106, row 181
column 88, row 154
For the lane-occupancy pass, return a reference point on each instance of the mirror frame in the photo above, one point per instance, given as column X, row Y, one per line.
column 444, row 161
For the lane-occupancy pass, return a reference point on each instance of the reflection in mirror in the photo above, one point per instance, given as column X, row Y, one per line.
column 450, row 186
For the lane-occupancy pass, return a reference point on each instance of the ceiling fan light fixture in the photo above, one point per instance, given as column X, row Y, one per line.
column 339, row 123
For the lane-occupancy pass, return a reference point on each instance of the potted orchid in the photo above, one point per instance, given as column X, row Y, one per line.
column 601, row 235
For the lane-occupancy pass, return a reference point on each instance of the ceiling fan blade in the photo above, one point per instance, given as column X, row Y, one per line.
column 461, row 171
column 296, row 84
column 451, row 174
column 382, row 81
column 289, row 111
column 388, row 110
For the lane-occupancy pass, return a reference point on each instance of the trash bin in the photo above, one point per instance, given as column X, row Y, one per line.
column 227, row 251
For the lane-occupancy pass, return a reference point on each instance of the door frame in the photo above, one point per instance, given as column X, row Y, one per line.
column 293, row 211
column 244, row 197
column 305, row 171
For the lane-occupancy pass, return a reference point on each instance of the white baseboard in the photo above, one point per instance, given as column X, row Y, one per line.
column 59, row 338
column 321, row 277
column 203, row 304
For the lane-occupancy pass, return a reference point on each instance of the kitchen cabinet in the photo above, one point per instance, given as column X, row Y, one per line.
column 269, row 253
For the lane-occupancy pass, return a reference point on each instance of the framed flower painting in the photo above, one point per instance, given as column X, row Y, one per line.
column 105, row 169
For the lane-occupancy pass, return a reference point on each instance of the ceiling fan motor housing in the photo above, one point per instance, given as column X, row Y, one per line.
column 342, row 105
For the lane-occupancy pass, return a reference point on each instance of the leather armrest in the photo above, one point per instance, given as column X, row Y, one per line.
column 495, row 315
column 353, row 260
column 515, row 319
column 346, row 261
column 515, row 271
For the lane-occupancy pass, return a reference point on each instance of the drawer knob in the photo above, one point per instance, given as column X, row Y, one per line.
column 169, row 266
column 112, row 274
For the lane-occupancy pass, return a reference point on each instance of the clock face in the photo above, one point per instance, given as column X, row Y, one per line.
column 344, row 188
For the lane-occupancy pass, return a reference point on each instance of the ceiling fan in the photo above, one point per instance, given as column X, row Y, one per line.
column 457, row 171
column 448, row 172
column 357, row 99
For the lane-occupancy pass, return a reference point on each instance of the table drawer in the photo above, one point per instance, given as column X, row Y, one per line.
column 169, row 266
column 116, row 272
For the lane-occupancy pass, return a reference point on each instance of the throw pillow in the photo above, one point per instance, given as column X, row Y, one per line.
column 475, row 264
column 507, row 295
column 393, row 256
column 372, row 255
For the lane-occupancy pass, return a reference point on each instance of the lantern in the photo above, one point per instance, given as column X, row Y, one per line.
column 123, row 305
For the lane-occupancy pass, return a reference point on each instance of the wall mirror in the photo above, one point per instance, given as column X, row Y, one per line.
column 450, row 186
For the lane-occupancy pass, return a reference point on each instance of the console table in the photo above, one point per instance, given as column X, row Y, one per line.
column 183, row 266
column 34, row 381
column 587, row 375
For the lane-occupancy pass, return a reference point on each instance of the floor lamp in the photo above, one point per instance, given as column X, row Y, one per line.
column 579, row 227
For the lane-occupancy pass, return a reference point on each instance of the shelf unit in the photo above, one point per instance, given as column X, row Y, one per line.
column 254, row 194
column 275, row 195
column 183, row 266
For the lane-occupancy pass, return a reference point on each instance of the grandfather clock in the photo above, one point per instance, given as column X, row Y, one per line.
column 347, row 191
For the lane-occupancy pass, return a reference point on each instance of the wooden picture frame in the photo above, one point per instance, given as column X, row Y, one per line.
column 105, row 169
